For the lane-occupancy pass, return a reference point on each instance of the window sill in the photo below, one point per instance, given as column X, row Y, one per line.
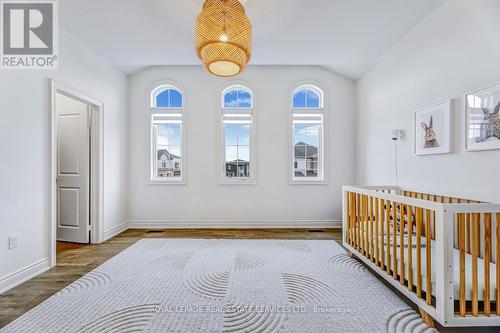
column 307, row 182
column 166, row 182
column 243, row 182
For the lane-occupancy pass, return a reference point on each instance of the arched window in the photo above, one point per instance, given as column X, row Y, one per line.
column 307, row 131
column 167, row 135
column 237, row 149
column 307, row 97
column 237, row 97
column 166, row 97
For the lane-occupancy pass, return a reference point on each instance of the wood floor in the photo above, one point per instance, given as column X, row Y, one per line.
column 75, row 260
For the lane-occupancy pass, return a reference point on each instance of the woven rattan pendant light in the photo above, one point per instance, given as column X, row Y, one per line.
column 223, row 37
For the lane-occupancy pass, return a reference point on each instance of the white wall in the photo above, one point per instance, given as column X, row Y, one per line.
column 25, row 151
column 203, row 199
column 453, row 51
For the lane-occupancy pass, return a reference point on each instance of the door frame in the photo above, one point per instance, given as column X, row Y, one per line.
column 96, row 168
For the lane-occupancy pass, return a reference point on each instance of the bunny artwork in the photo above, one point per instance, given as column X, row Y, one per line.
column 492, row 122
column 430, row 136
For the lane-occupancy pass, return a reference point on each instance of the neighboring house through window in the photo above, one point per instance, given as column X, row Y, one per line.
column 307, row 135
column 237, row 135
column 166, row 119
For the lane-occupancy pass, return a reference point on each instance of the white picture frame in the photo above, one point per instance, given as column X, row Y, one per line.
column 432, row 129
column 482, row 118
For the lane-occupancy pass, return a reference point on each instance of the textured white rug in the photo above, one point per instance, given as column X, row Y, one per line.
column 187, row 285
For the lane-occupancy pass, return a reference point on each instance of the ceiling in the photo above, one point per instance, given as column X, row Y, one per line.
column 347, row 36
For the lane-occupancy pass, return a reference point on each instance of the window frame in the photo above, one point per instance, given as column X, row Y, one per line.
column 308, row 114
column 174, row 112
column 315, row 88
column 232, row 114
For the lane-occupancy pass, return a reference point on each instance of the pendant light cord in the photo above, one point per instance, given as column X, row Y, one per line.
column 396, row 162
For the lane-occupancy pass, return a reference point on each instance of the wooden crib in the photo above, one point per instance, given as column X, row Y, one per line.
column 440, row 251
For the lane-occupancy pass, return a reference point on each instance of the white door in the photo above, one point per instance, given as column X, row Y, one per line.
column 73, row 169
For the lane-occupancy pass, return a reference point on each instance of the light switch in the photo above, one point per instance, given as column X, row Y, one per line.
column 13, row 241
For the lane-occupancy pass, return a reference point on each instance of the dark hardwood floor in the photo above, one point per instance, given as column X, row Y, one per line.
column 75, row 260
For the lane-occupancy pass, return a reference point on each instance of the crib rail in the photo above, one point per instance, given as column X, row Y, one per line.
column 440, row 251
column 442, row 198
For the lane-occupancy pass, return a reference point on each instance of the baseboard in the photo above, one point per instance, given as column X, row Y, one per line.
column 232, row 224
column 110, row 233
column 24, row 274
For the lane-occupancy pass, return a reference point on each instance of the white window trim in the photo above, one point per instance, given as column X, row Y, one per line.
column 323, row 146
column 223, row 180
column 151, row 156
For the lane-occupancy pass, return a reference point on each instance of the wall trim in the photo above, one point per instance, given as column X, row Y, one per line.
column 112, row 232
column 24, row 274
column 230, row 224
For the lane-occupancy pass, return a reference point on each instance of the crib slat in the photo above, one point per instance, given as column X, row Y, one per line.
column 358, row 218
column 401, row 243
column 387, row 205
column 433, row 224
column 376, row 230
column 498, row 263
column 487, row 257
column 365, row 227
column 363, row 219
column 410, row 246
column 428, row 256
column 394, row 251
column 361, row 223
column 461, row 247
column 475, row 251
column 418, row 221
column 350, row 225
column 367, row 234
column 351, row 215
column 370, row 239
column 355, row 226
column 382, row 233
column 468, row 232
column 353, row 220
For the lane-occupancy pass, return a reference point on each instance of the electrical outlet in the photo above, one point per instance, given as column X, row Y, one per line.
column 13, row 241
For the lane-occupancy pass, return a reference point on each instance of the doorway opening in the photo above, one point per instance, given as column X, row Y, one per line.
column 76, row 170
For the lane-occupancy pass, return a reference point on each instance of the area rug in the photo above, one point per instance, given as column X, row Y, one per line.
column 188, row 285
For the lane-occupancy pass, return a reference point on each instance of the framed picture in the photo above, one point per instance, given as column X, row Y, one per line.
column 482, row 121
column 432, row 129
